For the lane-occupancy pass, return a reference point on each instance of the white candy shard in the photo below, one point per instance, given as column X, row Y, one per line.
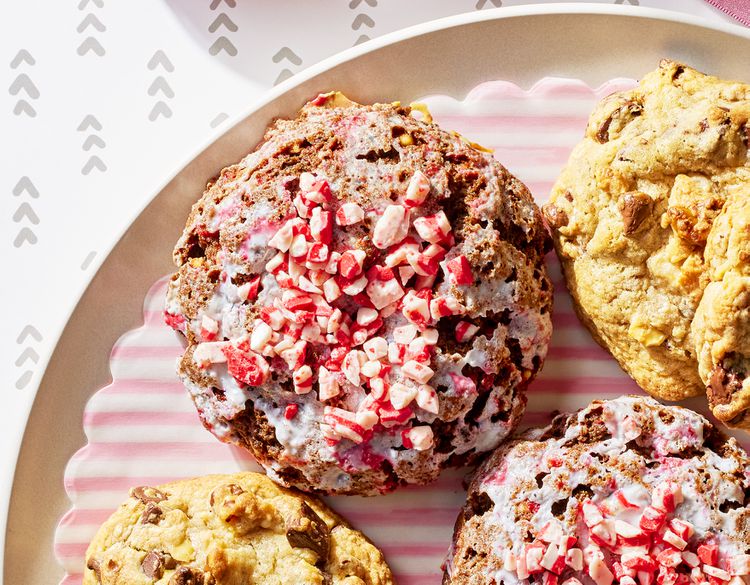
column 209, row 353
column 421, row 438
column 401, row 395
column 418, row 189
column 349, row 214
column 328, row 385
column 391, row 227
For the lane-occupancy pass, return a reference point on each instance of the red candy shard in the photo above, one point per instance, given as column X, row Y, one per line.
column 246, row 366
column 709, row 554
column 174, row 321
column 652, row 519
column 666, row 496
column 290, row 411
column 459, row 270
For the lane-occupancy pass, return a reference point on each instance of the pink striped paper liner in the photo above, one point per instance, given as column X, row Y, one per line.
column 142, row 428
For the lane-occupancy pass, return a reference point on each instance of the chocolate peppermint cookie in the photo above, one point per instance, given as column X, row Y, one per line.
column 626, row 491
column 364, row 299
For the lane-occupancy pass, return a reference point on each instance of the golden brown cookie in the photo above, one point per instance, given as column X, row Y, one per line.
column 722, row 322
column 632, row 211
column 229, row 530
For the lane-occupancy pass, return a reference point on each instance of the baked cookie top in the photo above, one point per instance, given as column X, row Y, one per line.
column 624, row 489
column 364, row 299
column 721, row 327
column 633, row 209
column 229, row 530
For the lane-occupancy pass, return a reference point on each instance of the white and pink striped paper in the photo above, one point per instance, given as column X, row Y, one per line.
column 143, row 429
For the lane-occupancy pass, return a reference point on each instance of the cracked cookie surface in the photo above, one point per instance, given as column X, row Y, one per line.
column 632, row 212
column 229, row 530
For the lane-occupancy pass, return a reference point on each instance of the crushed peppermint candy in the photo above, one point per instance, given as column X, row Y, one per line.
column 313, row 316
column 626, row 492
column 609, row 550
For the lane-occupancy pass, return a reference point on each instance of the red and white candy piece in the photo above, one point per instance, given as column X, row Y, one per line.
column 445, row 307
column 321, row 226
column 328, row 384
column 598, row 570
column 283, row 237
column 351, row 365
column 417, row 371
column 351, row 262
column 247, row 367
column 349, row 214
column 458, row 271
column 465, row 331
column 739, row 564
column 652, row 519
column 418, row 189
column 433, row 228
column 302, row 379
column 574, row 559
column 671, row 538
column 384, row 292
column 248, row 291
column 261, row 336
column 551, row 532
column 666, row 496
column 354, row 287
column 211, row 352
column 420, row 438
column 591, row 513
column 427, row 399
column 401, row 395
column 720, row 574
column 416, row 309
column 392, row 227
column 376, row 348
column 402, row 253
column 209, row 328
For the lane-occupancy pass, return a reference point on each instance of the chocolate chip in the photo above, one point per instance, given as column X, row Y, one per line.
column 152, row 514
column 477, row 504
column 153, row 565
column 617, row 120
column 722, row 384
column 95, row 566
column 307, row 530
column 147, row 494
column 556, row 217
column 635, row 207
column 191, row 576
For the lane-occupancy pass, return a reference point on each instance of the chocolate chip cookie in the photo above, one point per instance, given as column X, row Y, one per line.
column 631, row 215
column 229, row 530
column 625, row 490
column 722, row 321
column 364, row 299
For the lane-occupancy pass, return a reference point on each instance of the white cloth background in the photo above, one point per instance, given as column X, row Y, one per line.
column 102, row 100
